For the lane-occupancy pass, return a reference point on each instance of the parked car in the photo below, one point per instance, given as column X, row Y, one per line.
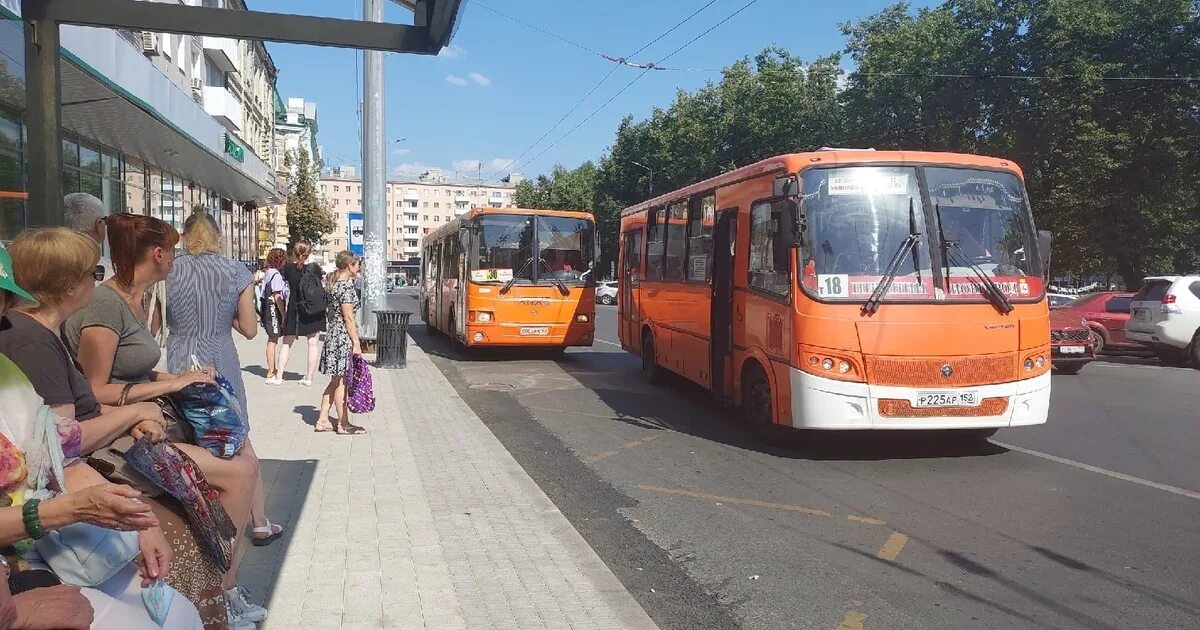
column 1165, row 316
column 1071, row 344
column 606, row 292
column 1106, row 313
column 1059, row 299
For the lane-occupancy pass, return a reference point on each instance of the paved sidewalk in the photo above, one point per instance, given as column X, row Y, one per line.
column 424, row 522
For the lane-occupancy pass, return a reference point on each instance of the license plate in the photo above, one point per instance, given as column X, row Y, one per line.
column 1141, row 313
column 535, row 330
column 1073, row 349
column 947, row 399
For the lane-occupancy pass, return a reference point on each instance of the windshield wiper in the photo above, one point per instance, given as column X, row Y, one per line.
column 513, row 280
column 990, row 290
column 562, row 286
column 908, row 245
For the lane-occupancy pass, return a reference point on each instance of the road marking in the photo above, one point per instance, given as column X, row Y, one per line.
column 1102, row 471
column 865, row 519
column 607, row 342
column 852, row 621
column 736, row 501
column 892, row 548
column 628, row 445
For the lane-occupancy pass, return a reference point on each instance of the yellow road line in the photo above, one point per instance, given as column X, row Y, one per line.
column 892, row 548
column 865, row 519
column 852, row 621
column 736, row 501
column 597, row 457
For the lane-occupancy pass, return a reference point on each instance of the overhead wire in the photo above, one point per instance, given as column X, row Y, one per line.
column 635, row 79
column 591, row 91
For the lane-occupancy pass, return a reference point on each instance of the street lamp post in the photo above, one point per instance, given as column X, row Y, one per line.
column 650, row 171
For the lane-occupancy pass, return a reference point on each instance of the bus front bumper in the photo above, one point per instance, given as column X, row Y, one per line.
column 516, row 335
column 821, row 403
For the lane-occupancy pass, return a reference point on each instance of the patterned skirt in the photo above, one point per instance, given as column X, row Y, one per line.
column 193, row 573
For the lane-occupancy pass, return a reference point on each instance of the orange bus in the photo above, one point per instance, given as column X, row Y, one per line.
column 846, row 289
column 511, row 277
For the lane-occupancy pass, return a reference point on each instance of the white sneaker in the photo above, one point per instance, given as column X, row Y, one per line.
column 241, row 608
column 306, row 382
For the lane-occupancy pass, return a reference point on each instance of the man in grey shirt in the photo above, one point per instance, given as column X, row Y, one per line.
column 85, row 213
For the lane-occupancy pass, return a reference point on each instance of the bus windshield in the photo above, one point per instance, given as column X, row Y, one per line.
column 504, row 244
column 860, row 218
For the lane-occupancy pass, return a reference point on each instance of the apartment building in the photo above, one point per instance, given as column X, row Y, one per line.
column 295, row 128
column 415, row 207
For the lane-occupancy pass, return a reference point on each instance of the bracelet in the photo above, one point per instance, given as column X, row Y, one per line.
column 124, row 394
column 33, row 522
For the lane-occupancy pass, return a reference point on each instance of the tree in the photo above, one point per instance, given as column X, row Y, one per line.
column 309, row 217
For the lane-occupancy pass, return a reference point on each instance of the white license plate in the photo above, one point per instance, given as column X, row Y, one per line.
column 1073, row 349
column 1141, row 313
column 947, row 399
column 535, row 330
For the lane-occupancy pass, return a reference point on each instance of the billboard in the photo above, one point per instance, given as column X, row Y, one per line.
column 355, row 232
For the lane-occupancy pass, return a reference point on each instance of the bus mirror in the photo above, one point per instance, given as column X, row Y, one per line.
column 1044, row 240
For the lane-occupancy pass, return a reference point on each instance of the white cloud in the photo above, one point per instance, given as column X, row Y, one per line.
column 412, row 169
column 479, row 79
column 453, row 52
column 465, row 166
column 401, row 151
column 499, row 164
column 454, row 79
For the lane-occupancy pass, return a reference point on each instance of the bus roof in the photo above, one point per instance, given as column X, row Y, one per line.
column 794, row 162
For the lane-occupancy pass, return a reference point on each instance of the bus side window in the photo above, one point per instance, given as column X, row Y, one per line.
column 768, row 265
column 654, row 244
column 676, row 226
column 701, row 216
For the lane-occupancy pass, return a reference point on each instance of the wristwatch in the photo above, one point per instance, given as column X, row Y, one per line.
column 4, row 562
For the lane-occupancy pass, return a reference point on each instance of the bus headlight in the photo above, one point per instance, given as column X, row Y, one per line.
column 829, row 364
column 582, row 317
column 483, row 317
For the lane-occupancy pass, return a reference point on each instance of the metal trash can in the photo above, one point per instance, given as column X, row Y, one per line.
column 391, row 333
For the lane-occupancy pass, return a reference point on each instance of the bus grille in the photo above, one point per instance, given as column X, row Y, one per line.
column 894, row 408
column 930, row 372
column 1071, row 335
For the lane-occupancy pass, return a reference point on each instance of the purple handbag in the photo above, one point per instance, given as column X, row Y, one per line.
column 360, row 390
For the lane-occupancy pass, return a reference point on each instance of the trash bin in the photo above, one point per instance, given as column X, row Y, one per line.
column 391, row 333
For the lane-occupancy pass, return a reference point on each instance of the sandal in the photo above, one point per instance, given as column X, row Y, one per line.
column 273, row 531
column 329, row 428
column 350, row 429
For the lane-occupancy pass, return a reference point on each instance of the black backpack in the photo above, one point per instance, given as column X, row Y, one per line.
column 312, row 293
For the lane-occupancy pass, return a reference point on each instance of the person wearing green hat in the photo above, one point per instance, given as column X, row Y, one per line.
column 8, row 284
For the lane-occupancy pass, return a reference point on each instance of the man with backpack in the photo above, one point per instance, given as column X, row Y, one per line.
column 305, row 315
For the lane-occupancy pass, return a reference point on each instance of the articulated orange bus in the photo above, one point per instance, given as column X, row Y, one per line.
column 846, row 289
column 512, row 277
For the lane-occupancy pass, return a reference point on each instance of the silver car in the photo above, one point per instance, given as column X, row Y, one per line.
column 606, row 292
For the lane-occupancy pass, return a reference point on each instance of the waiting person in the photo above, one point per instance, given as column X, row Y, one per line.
column 85, row 213
column 276, row 288
column 208, row 297
column 260, row 271
column 300, row 320
column 113, row 340
column 55, row 264
column 341, row 342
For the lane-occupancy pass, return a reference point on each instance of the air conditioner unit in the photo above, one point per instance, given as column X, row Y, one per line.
column 150, row 44
column 197, row 84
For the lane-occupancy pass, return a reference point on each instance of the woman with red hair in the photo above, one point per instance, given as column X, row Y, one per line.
column 113, row 339
column 276, row 289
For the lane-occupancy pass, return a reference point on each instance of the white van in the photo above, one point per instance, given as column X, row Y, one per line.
column 1165, row 315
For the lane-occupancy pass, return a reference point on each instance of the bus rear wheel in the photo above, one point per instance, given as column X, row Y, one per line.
column 651, row 370
column 757, row 407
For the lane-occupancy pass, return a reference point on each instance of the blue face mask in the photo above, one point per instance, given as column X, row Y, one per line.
column 157, row 598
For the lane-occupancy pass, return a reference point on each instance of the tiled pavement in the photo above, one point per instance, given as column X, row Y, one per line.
column 426, row 521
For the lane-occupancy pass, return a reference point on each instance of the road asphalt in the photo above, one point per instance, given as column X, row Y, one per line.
column 1086, row 522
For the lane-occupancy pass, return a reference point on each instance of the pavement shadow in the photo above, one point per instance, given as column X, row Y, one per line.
column 256, row 370
column 308, row 414
column 286, row 483
column 440, row 346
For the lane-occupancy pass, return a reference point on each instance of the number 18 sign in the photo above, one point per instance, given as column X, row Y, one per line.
column 833, row 285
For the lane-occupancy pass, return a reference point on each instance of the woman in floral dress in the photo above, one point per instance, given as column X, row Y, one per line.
column 341, row 342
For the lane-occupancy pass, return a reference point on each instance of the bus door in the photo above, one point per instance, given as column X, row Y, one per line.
column 627, row 300
column 721, row 345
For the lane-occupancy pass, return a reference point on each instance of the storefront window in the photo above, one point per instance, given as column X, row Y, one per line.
column 134, row 179
column 12, row 177
column 70, row 165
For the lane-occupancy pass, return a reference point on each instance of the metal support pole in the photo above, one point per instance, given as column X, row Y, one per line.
column 43, row 118
column 374, row 265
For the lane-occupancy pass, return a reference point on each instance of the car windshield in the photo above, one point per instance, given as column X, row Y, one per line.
column 504, row 244
column 859, row 218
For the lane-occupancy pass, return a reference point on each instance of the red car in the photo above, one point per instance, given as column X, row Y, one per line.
column 1071, row 342
column 1106, row 313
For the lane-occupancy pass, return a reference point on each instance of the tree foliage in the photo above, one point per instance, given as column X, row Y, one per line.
column 1110, row 163
column 309, row 217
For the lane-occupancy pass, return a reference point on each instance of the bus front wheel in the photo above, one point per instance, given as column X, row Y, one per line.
column 756, row 397
column 651, row 370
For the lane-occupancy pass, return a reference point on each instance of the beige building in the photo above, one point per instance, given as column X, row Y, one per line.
column 414, row 207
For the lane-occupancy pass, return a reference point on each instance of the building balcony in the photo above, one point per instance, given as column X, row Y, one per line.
column 462, row 199
column 412, row 250
column 410, row 195
column 223, row 52
column 222, row 106
column 411, row 219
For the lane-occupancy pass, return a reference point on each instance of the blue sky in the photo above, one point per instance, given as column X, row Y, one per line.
column 501, row 85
